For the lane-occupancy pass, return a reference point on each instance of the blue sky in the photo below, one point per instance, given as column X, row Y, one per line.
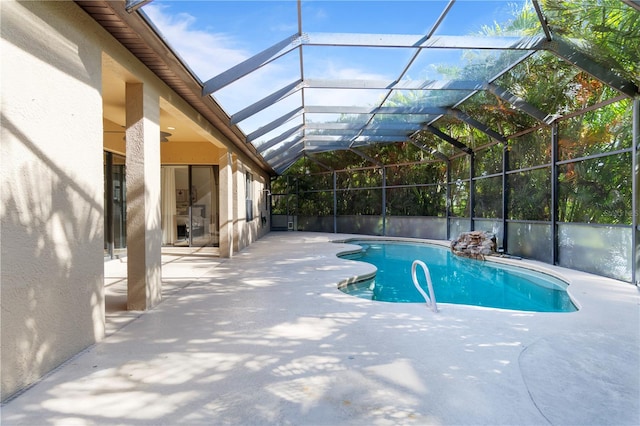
column 213, row 36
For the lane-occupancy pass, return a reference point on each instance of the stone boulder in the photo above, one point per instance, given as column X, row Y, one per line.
column 474, row 244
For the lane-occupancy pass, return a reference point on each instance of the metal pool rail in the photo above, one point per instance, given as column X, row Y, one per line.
column 430, row 300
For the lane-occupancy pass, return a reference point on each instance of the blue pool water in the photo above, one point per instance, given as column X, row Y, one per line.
column 455, row 280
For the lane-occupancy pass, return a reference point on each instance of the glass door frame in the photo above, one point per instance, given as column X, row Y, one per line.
column 201, row 216
column 114, row 194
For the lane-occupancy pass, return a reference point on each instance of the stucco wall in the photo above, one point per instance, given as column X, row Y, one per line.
column 236, row 232
column 51, row 176
column 190, row 153
column 248, row 231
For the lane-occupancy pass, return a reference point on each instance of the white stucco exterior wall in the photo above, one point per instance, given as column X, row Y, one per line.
column 236, row 232
column 51, row 180
column 52, row 185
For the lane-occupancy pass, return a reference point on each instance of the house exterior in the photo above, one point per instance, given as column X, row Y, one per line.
column 74, row 95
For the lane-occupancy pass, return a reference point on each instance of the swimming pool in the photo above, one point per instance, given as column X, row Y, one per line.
column 455, row 280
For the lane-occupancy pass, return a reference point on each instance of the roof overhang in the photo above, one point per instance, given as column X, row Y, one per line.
column 135, row 34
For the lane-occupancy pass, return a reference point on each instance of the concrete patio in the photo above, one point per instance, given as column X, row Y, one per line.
column 267, row 338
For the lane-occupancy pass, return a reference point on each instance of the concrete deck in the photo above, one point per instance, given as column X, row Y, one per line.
column 266, row 338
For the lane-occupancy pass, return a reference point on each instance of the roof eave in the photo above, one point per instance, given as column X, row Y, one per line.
column 163, row 62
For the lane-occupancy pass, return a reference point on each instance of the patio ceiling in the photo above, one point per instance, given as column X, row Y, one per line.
column 428, row 76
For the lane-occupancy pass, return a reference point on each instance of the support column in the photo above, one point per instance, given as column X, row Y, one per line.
column 472, row 190
column 335, row 202
column 554, row 194
column 384, row 201
column 505, row 197
column 226, row 205
column 144, row 232
column 448, row 203
column 635, row 220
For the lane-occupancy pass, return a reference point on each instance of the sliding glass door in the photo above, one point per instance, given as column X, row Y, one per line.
column 190, row 205
column 115, row 204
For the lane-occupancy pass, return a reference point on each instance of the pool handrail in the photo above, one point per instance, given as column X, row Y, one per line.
column 430, row 300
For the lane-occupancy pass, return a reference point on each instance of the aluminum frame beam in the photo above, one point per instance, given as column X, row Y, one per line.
column 566, row 50
column 326, row 148
column 365, row 140
column 285, row 166
column 403, row 126
column 543, row 20
column 321, row 109
column 313, row 139
column 430, row 150
column 285, row 163
column 288, row 156
column 395, row 85
column 633, row 3
column 520, row 103
column 357, row 135
column 318, row 162
column 284, row 148
column 250, row 65
column 333, row 126
column 132, row 5
column 405, row 131
column 266, row 102
column 420, row 41
column 366, row 157
column 462, row 116
column 274, row 124
column 278, row 139
column 439, row 133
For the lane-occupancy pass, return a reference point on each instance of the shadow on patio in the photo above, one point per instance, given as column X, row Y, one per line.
column 266, row 338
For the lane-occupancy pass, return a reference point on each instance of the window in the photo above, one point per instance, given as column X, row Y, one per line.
column 249, row 196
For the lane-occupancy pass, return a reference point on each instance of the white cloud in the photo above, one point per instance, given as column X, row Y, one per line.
column 209, row 54
column 339, row 71
column 206, row 53
column 313, row 11
column 285, row 28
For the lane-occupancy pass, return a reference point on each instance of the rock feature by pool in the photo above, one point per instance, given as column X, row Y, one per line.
column 474, row 244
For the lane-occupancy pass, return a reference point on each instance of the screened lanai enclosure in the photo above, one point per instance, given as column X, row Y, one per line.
column 429, row 118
